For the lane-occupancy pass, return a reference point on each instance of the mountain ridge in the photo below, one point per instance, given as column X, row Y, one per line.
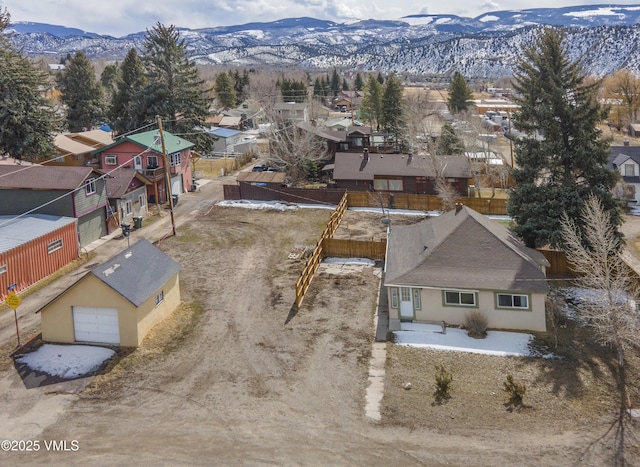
column 481, row 47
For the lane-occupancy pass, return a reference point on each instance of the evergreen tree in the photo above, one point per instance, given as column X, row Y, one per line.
column 27, row 120
column 371, row 107
column 459, row 94
column 448, row 142
column 225, row 91
column 109, row 81
column 125, row 115
column 561, row 160
column 82, row 94
column 380, row 78
column 292, row 90
column 345, row 85
column 392, row 119
column 174, row 91
column 358, row 83
column 335, row 83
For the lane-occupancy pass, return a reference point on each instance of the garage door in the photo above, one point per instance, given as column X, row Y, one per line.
column 92, row 226
column 95, row 324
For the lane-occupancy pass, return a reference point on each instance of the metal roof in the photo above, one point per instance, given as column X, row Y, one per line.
column 223, row 132
column 16, row 231
column 137, row 272
column 151, row 140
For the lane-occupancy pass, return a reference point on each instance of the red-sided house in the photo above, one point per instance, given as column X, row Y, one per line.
column 143, row 152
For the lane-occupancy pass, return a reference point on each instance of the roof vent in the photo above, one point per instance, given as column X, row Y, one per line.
column 128, row 254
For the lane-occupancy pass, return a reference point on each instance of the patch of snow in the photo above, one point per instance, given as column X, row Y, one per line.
column 257, row 33
column 486, row 19
column 443, row 20
column 261, row 205
column 66, row 361
column 498, row 343
column 419, row 21
column 603, row 11
column 356, row 261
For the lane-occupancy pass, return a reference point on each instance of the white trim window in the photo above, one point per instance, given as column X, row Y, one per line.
column 90, row 186
column 54, row 246
column 174, row 159
column 459, row 298
column 3, row 269
column 160, row 298
column 629, row 170
column 517, row 301
column 142, row 199
column 417, row 299
column 152, row 162
column 111, row 159
column 394, row 297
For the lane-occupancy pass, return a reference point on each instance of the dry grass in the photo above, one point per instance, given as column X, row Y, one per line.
column 166, row 337
column 565, row 393
column 208, row 168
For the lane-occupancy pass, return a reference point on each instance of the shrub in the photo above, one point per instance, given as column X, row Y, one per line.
column 443, row 384
column 476, row 325
column 515, row 391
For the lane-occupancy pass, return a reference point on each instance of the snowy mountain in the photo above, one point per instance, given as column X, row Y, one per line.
column 605, row 37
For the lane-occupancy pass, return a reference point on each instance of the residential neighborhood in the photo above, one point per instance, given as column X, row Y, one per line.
column 326, row 266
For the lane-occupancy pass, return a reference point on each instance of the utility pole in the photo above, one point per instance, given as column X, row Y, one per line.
column 167, row 178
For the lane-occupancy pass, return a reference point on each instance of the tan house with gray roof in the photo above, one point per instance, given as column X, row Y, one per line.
column 442, row 268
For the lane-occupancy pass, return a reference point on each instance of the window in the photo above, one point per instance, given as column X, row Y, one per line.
column 380, row 184
column 3, row 269
column 175, row 159
column 629, row 170
column 142, row 199
column 54, row 246
column 111, row 159
column 417, row 302
column 90, row 186
column 457, row 297
column 513, row 301
column 160, row 297
column 394, row 297
column 128, row 207
column 152, row 162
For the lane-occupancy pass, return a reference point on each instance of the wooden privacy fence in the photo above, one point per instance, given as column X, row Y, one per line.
column 302, row 284
column 354, row 248
column 492, row 206
column 559, row 264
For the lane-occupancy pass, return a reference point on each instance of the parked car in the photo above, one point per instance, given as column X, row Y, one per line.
column 258, row 168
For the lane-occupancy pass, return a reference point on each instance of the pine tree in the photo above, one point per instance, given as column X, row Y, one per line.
column 225, row 91
column 448, row 142
column 335, row 83
column 561, row 160
column 380, row 78
column 392, row 119
column 27, row 119
column 345, row 85
column 82, row 94
column 371, row 107
column 124, row 113
column 358, row 83
column 174, row 91
column 292, row 90
column 459, row 94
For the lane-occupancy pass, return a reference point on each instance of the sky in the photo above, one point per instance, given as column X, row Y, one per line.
column 121, row 17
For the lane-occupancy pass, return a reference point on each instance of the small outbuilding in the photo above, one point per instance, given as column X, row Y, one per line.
column 33, row 247
column 117, row 302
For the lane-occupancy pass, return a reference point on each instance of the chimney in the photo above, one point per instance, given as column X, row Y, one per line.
column 458, row 207
column 365, row 154
column 626, row 141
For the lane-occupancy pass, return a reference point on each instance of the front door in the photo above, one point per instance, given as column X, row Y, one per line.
column 137, row 163
column 406, row 305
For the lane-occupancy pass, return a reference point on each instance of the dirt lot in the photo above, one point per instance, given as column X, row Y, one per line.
column 236, row 378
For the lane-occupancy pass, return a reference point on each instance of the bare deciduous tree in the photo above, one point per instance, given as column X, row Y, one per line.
column 613, row 315
column 293, row 147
